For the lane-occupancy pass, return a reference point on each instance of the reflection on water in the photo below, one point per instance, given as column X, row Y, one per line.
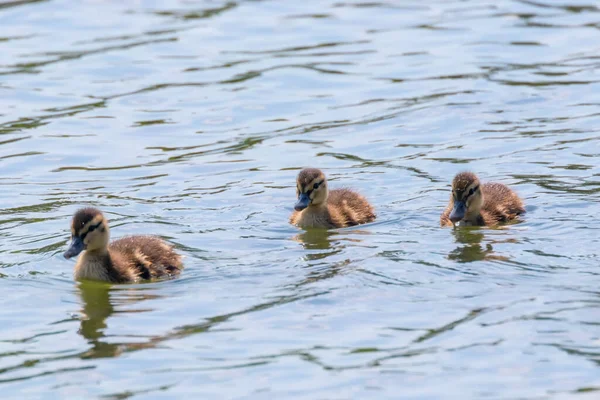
column 316, row 239
column 190, row 119
column 97, row 309
column 470, row 248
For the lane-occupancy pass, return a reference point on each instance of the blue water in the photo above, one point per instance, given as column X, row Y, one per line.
column 190, row 120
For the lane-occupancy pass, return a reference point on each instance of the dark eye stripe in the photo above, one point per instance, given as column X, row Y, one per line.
column 463, row 195
column 90, row 229
column 474, row 191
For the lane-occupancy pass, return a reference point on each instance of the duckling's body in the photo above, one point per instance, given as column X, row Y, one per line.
column 126, row 260
column 473, row 204
column 319, row 208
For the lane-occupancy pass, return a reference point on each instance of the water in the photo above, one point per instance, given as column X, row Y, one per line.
column 190, row 119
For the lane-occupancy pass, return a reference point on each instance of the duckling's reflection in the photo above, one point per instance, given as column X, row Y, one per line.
column 472, row 249
column 97, row 308
column 323, row 239
column 316, row 239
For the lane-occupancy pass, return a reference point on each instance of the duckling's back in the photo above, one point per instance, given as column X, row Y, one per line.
column 150, row 255
column 348, row 208
column 501, row 202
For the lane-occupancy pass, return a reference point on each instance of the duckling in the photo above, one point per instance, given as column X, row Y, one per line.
column 126, row 260
column 473, row 204
column 319, row 208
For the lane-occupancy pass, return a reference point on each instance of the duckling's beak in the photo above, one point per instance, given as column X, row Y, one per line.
column 76, row 247
column 458, row 212
column 302, row 203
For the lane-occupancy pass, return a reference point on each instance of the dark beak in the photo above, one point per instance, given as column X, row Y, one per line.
column 75, row 248
column 458, row 212
column 302, row 203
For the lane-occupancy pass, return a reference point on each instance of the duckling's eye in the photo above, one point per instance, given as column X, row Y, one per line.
column 471, row 191
column 316, row 185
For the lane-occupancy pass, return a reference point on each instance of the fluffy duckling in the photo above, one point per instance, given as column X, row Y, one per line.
column 473, row 204
column 319, row 208
column 125, row 260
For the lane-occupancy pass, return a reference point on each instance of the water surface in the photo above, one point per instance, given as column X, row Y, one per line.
column 190, row 119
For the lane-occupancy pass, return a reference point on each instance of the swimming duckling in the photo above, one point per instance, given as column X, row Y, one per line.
column 319, row 208
column 473, row 204
column 129, row 259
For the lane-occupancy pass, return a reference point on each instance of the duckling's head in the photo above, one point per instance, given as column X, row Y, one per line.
column 89, row 231
column 466, row 196
column 311, row 188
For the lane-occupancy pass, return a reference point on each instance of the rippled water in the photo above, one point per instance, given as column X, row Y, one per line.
column 190, row 119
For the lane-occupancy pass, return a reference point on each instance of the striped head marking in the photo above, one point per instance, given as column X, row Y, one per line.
column 466, row 196
column 89, row 231
column 311, row 188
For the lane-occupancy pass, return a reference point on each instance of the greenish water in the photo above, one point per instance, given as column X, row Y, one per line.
column 191, row 119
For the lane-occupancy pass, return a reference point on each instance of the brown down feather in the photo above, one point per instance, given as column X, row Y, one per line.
column 500, row 203
column 342, row 208
column 125, row 260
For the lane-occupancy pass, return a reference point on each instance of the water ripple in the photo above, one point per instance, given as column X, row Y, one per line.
column 191, row 119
